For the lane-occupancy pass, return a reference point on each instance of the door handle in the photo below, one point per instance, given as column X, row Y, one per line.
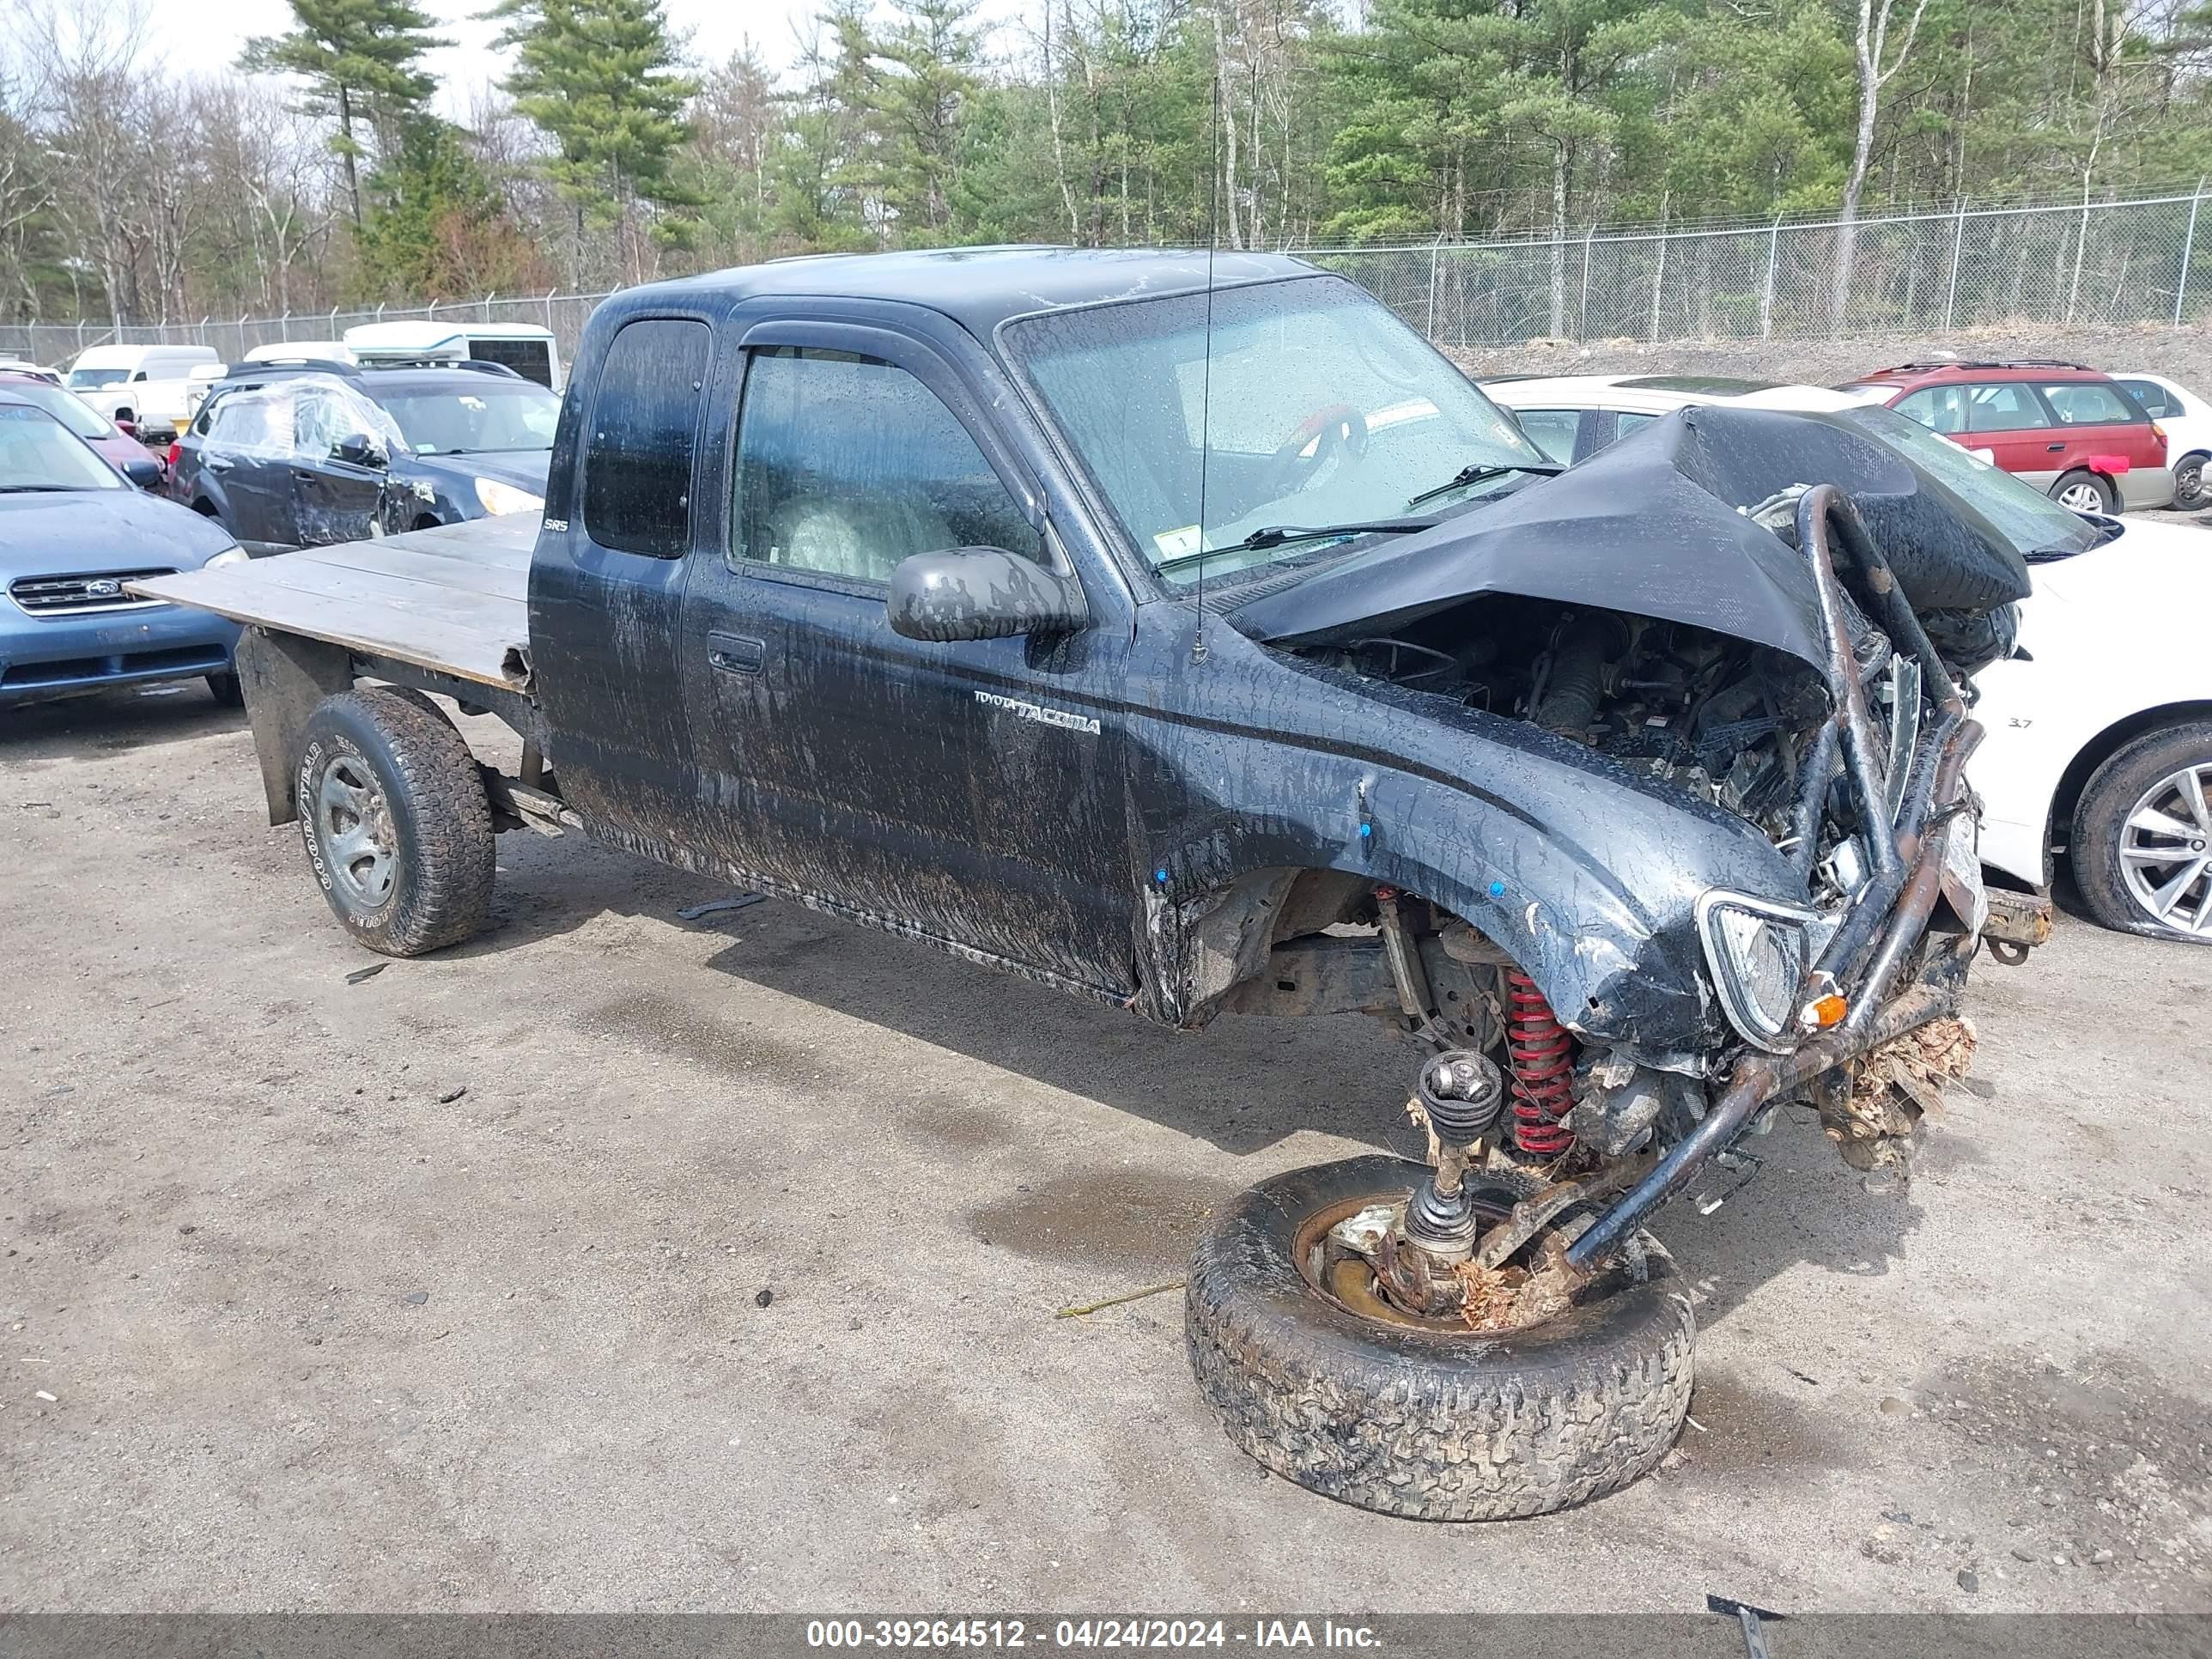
column 304, row 475
column 219, row 463
column 736, row 654
column 2054, row 448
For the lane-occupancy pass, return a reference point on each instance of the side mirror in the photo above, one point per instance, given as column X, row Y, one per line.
column 146, row 474
column 126, row 426
column 358, row 449
column 982, row 593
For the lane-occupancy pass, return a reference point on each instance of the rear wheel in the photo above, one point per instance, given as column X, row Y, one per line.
column 2142, row 846
column 2189, row 496
column 2085, row 492
column 396, row 822
column 1324, row 1383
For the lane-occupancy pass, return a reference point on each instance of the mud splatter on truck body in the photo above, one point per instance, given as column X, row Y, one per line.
column 1015, row 600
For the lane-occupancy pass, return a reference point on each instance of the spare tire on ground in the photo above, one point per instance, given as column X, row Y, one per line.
column 1423, row 1419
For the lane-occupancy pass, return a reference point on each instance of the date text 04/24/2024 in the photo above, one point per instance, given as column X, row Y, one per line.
column 938, row 1634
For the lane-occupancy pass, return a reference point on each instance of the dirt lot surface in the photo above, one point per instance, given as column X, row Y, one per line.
column 442, row 1289
column 2184, row 353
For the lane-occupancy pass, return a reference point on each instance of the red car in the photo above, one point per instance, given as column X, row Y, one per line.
column 123, row 452
column 2065, row 429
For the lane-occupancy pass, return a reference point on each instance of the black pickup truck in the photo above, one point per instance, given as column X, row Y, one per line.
column 1184, row 632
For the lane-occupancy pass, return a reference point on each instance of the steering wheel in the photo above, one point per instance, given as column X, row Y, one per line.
column 1339, row 431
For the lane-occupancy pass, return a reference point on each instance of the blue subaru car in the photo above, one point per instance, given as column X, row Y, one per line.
column 73, row 529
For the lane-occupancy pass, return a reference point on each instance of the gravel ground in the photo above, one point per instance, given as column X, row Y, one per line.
column 2184, row 353
column 442, row 1289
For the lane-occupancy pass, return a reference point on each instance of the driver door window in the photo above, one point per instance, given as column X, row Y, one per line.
column 847, row 466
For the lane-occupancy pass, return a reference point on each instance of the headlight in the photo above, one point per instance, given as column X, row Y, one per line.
column 228, row 555
column 1759, row 953
column 498, row 498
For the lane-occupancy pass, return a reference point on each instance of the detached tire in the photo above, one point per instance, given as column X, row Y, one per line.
column 1419, row 1420
column 2138, row 833
column 396, row 823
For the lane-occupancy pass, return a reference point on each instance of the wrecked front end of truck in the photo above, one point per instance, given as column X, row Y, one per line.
column 1701, row 615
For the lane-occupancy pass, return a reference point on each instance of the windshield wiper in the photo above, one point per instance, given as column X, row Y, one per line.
column 34, row 489
column 1471, row 475
column 1280, row 535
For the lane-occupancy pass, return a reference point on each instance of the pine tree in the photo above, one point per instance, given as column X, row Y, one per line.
column 602, row 78
column 919, row 75
column 359, row 59
column 437, row 227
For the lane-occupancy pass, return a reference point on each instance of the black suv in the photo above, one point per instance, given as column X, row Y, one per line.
column 307, row 454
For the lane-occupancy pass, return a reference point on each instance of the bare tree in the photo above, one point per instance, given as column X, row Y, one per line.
column 1875, row 66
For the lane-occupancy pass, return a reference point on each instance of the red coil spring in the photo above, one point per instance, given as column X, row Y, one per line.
column 1541, row 1053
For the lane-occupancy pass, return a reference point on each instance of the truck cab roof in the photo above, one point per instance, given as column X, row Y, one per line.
column 980, row 288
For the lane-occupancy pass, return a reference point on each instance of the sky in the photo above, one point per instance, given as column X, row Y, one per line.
column 202, row 39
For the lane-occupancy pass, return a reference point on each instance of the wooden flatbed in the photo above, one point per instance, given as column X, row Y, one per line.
column 454, row 599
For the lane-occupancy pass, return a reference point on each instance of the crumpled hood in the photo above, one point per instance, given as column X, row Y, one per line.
column 65, row 533
column 1626, row 531
column 1654, row 525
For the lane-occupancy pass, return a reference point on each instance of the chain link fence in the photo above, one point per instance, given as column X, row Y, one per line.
column 1923, row 273
column 233, row 338
column 2145, row 260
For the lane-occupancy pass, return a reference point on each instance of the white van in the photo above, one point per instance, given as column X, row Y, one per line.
column 302, row 351
column 527, row 349
column 105, row 375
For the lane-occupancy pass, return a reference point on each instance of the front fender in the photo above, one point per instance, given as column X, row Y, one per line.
column 1586, row 873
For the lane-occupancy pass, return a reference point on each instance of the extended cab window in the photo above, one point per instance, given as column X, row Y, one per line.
column 846, row 464
column 645, row 419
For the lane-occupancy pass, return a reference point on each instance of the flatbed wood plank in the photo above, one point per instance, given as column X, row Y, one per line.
column 506, row 539
column 501, row 580
column 470, row 636
column 454, row 598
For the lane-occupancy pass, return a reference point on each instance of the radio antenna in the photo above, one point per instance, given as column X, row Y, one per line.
column 1205, row 376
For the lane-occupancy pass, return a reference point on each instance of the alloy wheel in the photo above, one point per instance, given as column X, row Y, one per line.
column 2083, row 498
column 2165, row 851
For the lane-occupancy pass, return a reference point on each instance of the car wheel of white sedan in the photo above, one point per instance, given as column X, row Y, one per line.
column 2143, row 836
column 2189, row 483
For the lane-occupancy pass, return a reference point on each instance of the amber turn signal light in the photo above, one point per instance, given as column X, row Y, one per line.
column 1821, row 1013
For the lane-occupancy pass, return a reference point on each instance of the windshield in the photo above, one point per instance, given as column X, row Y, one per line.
column 37, row 453
column 72, row 411
column 2035, row 523
column 92, row 377
column 501, row 415
column 1315, row 406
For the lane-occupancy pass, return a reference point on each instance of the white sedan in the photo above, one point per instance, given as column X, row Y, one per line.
column 2187, row 419
column 2099, row 732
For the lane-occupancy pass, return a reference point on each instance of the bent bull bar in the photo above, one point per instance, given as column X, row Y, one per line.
column 1900, row 895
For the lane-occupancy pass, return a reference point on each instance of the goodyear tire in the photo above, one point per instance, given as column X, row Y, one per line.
column 1424, row 1421
column 396, row 823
